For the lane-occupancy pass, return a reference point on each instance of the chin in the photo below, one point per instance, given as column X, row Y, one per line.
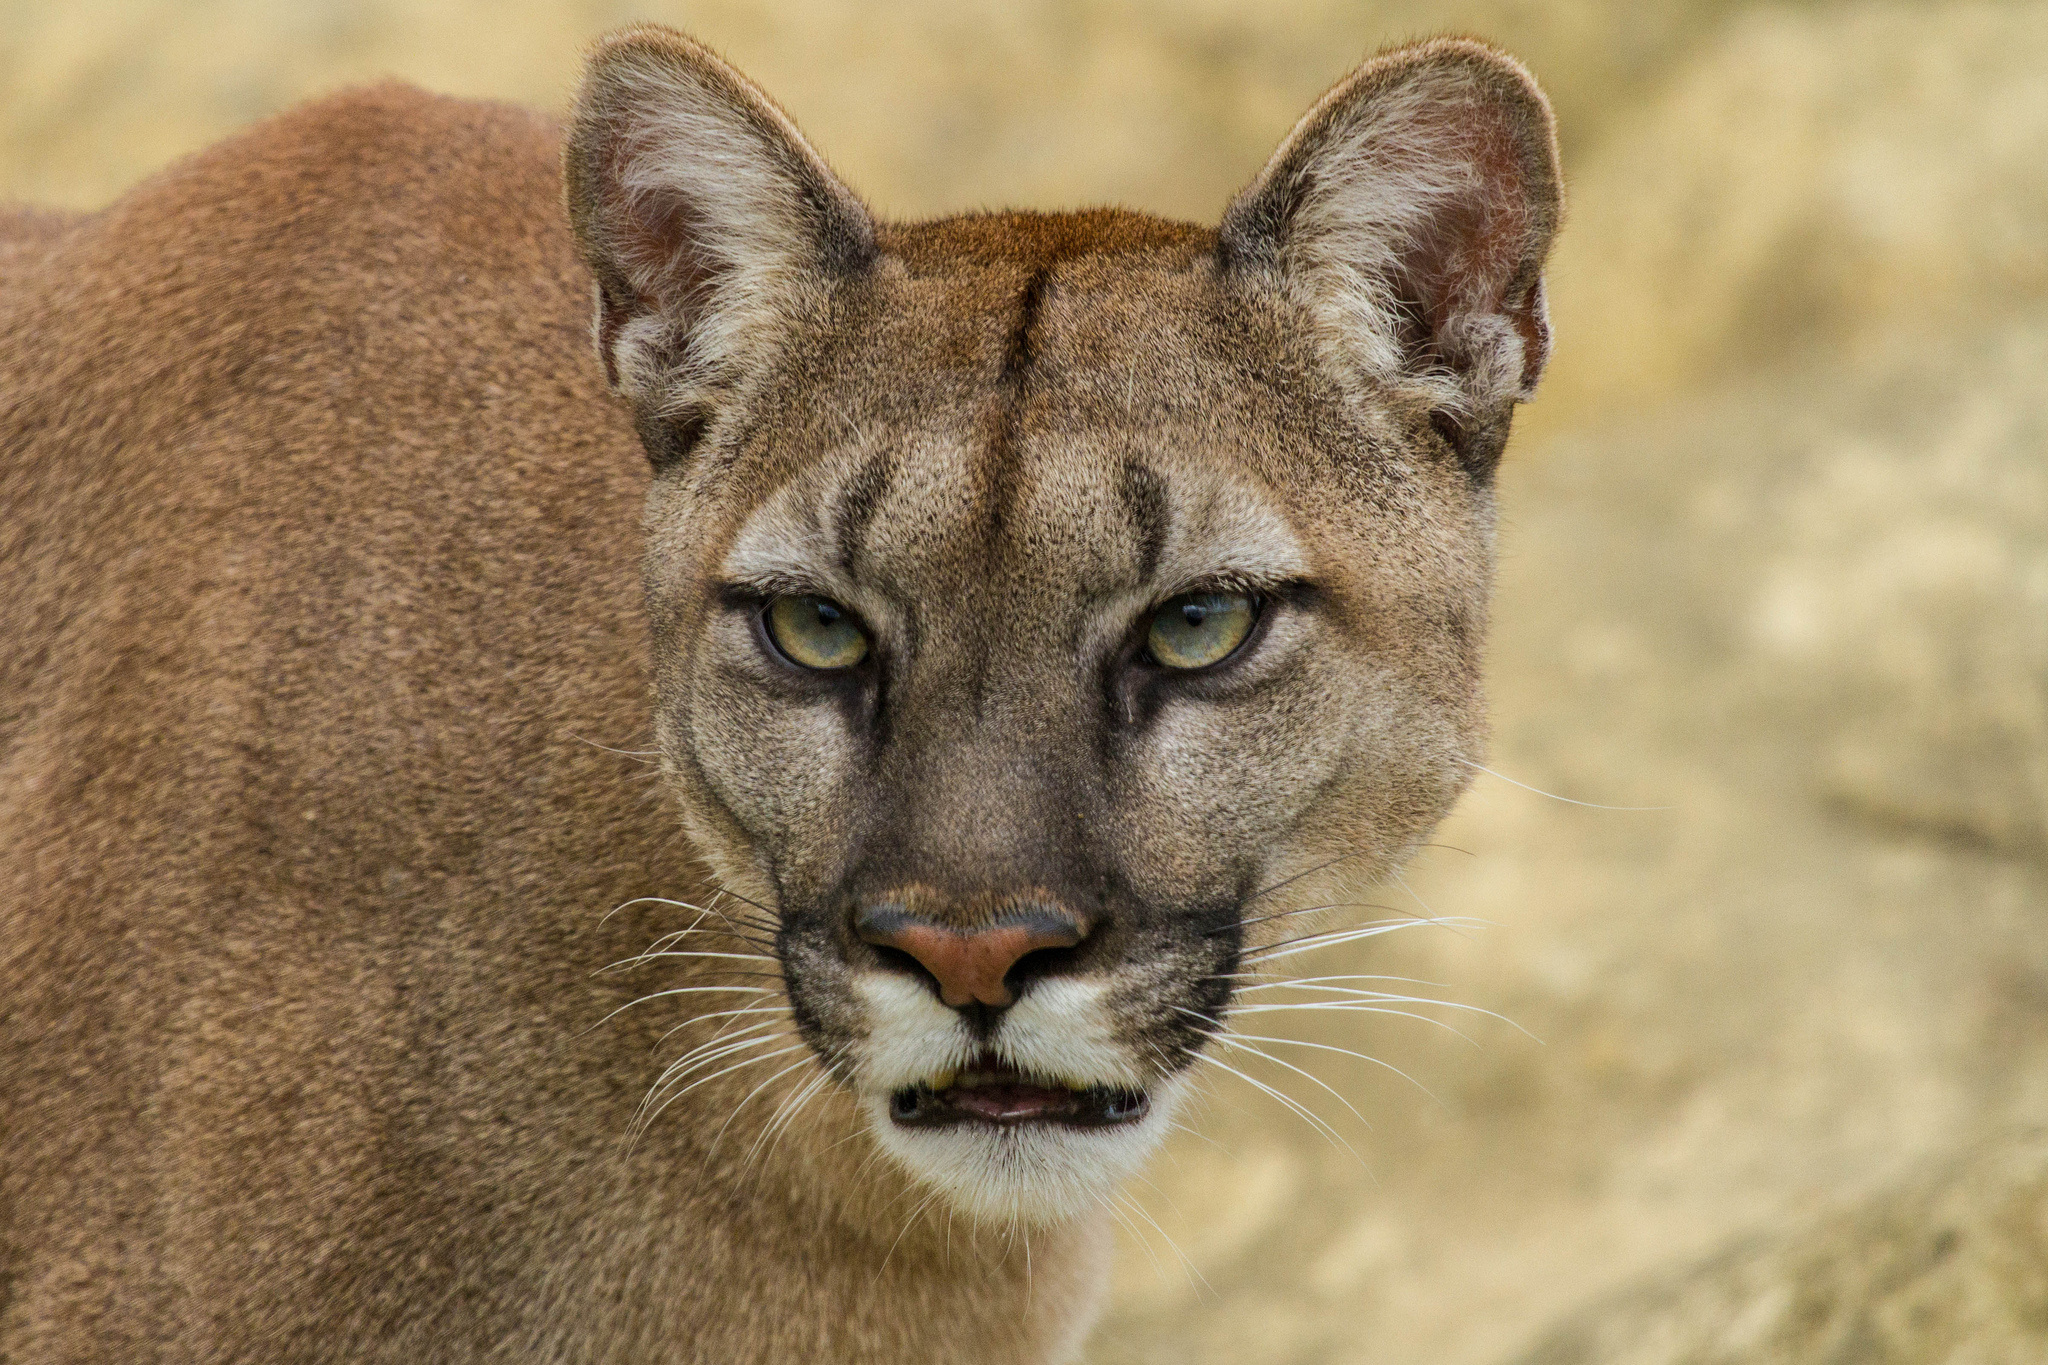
column 1009, row 1150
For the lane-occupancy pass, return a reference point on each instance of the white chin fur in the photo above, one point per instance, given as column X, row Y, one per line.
column 1034, row 1173
column 1038, row 1173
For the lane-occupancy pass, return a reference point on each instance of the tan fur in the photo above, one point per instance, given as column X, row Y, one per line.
column 323, row 585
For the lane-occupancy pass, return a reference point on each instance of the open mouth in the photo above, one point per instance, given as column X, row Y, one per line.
column 989, row 1091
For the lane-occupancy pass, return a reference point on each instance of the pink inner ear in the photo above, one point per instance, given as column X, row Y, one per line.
column 656, row 234
column 1471, row 255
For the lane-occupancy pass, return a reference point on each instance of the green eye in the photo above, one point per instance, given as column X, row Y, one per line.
column 1197, row 629
column 815, row 632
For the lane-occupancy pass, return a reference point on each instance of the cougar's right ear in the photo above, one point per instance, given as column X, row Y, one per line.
column 711, row 225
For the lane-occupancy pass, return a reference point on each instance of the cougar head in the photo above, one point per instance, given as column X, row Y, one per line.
column 1032, row 595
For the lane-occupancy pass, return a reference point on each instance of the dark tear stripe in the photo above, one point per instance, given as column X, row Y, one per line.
column 1144, row 498
column 862, row 499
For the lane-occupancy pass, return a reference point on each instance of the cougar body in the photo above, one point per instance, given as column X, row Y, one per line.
column 376, row 679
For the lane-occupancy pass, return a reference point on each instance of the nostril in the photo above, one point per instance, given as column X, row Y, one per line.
column 1040, row 962
column 901, row 961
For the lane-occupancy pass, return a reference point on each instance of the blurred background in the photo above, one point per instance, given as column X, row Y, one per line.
column 1774, row 563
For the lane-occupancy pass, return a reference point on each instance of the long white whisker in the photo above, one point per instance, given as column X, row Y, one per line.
column 1593, row 805
column 914, row 1213
column 705, row 1053
column 1137, row 1235
column 1327, row 1047
column 671, row 952
column 1363, row 995
column 751, row 1061
column 1353, row 1007
column 1193, row 1271
column 679, row 990
column 1294, row 947
column 720, row 1135
column 1309, row 1116
column 1243, row 1043
column 785, row 1115
column 1267, row 981
column 724, row 1030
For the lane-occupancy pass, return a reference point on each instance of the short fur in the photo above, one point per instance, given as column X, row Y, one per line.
column 324, row 597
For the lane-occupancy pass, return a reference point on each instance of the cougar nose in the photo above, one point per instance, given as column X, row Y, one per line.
column 970, row 966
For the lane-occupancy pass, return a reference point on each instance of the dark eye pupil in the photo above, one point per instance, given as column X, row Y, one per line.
column 827, row 613
column 1194, row 613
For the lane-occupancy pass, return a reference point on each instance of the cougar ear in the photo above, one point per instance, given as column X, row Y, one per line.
column 1410, row 213
column 710, row 224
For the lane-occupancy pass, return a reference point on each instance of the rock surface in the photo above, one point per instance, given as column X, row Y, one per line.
column 1951, row 1265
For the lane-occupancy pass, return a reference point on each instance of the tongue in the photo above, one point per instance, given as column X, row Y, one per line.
column 1010, row 1103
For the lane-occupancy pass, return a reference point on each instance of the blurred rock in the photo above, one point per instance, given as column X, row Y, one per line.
column 1865, row 547
column 1805, row 181
column 1949, row 1267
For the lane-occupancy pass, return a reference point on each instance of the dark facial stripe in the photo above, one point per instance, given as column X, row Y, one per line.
column 1023, row 340
column 862, row 499
column 1143, row 494
column 1018, row 357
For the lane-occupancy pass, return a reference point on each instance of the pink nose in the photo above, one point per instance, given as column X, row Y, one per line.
column 970, row 966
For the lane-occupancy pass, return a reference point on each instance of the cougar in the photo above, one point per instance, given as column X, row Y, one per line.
column 730, row 849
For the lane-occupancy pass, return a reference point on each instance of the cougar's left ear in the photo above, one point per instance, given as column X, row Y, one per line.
column 710, row 223
column 1410, row 213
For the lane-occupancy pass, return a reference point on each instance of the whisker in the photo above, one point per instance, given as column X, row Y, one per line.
column 1361, row 996
column 728, row 891
column 719, row 1014
column 924, row 1204
column 1314, row 1120
column 1593, row 805
column 1243, row 1041
column 1304, row 910
column 644, row 1125
column 762, row 927
column 714, row 1048
column 720, row 1135
column 694, row 952
column 1144, row 1242
column 637, row 755
column 1193, row 1271
column 1289, row 881
column 1311, row 942
column 1355, row 1007
column 679, row 990
column 726, row 1040
column 780, row 1120
column 1267, row 981
column 1331, row 1047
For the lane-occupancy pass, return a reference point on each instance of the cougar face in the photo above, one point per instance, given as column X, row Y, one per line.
column 1035, row 597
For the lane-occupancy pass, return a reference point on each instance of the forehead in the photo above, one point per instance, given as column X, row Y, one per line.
column 996, row 402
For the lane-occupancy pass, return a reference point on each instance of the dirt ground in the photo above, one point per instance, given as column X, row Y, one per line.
column 1774, row 580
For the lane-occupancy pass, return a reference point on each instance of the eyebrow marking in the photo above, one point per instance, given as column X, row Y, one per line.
column 1143, row 494
column 859, row 501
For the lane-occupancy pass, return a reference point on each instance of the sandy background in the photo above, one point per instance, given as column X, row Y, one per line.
column 1775, row 562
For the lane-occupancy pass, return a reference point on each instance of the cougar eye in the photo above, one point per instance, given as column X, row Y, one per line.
column 1197, row 629
column 815, row 632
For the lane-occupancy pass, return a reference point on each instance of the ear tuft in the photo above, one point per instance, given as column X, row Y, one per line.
column 1410, row 212
column 711, row 225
